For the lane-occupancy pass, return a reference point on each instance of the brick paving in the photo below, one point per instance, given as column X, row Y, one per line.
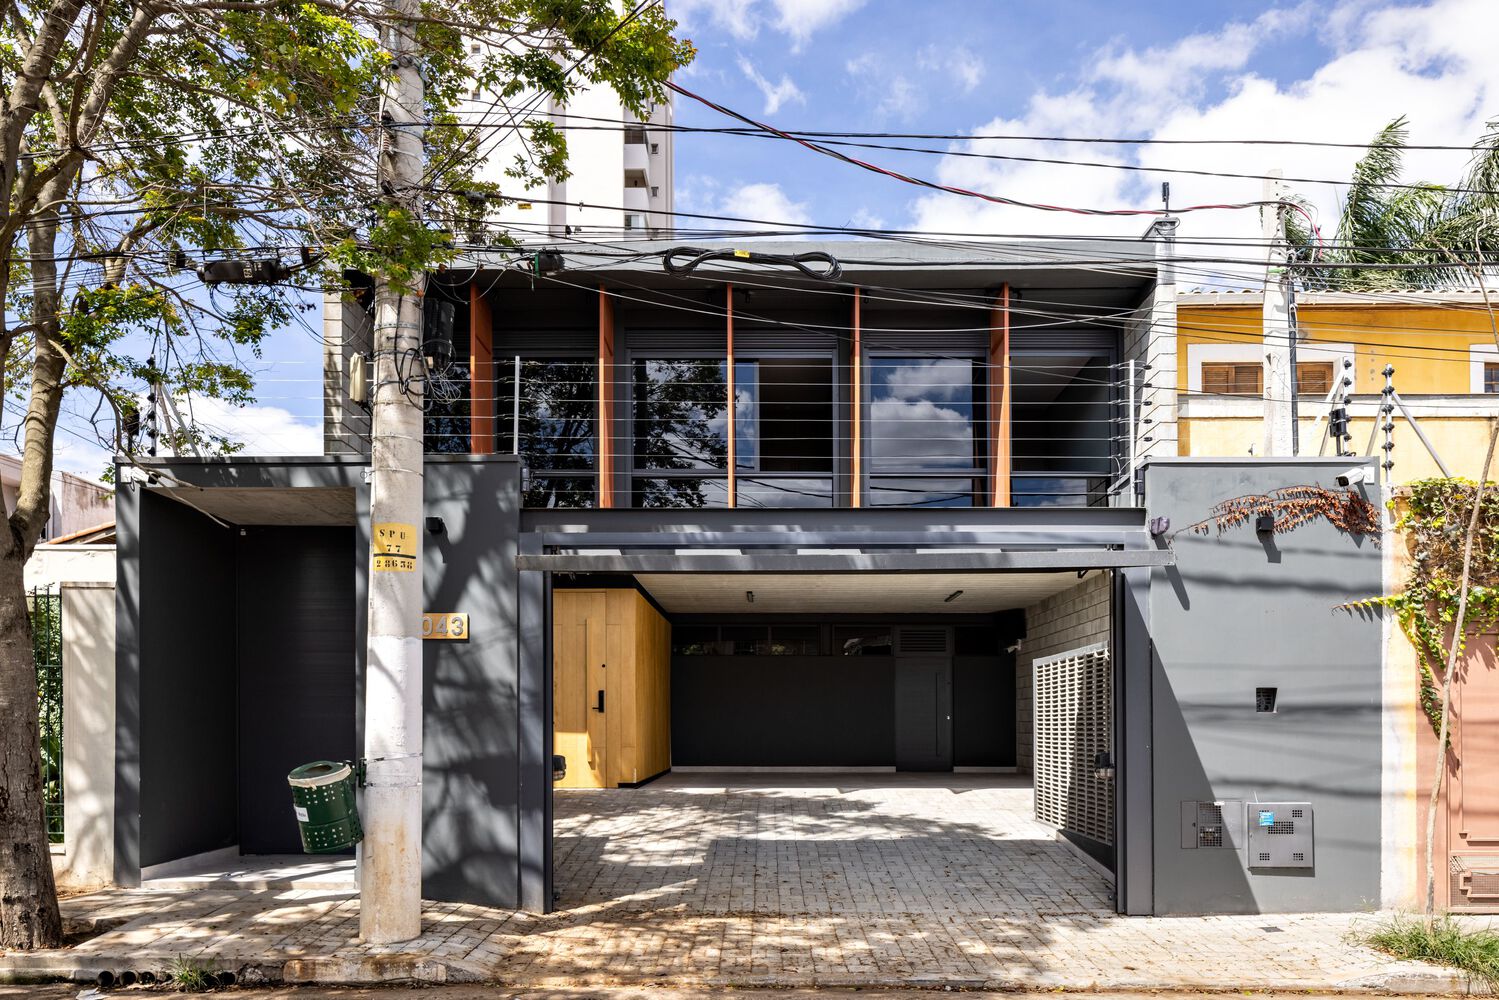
column 846, row 880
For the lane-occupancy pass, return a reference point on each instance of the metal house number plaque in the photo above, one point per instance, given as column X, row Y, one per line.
column 444, row 625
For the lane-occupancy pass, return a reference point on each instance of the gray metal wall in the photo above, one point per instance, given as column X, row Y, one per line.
column 472, row 777
column 487, row 778
column 1238, row 612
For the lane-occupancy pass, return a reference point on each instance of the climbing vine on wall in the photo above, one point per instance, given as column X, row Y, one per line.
column 1292, row 506
column 1434, row 518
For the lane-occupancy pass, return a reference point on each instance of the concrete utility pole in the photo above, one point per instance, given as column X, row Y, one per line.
column 390, row 873
column 1275, row 321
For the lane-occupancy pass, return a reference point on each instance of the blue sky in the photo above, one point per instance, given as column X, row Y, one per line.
column 1311, row 70
column 1329, row 70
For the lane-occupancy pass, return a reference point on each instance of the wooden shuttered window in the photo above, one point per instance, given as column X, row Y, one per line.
column 1238, row 378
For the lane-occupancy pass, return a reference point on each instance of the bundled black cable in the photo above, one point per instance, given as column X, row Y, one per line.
column 799, row 261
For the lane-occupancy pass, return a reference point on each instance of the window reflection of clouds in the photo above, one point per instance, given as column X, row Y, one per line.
column 929, row 378
column 921, row 414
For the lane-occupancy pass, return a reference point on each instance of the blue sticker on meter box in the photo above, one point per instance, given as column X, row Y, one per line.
column 1267, row 818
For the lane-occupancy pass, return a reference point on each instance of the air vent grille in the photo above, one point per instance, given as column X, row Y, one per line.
column 923, row 640
column 1283, row 827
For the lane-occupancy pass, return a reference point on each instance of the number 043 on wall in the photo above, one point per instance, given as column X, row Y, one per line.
column 444, row 625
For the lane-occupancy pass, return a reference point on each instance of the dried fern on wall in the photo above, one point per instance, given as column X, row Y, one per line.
column 1292, row 506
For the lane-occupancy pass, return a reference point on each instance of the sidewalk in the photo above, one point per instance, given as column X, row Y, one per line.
column 310, row 936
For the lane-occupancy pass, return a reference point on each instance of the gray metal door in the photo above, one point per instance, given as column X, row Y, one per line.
column 923, row 713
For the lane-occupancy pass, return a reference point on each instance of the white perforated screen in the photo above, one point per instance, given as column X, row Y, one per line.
column 1073, row 693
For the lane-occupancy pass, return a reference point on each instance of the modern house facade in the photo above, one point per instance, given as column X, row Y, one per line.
column 925, row 515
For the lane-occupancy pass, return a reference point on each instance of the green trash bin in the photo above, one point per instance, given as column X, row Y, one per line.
column 322, row 795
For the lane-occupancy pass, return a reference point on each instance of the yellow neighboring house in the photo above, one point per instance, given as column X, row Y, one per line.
column 1440, row 343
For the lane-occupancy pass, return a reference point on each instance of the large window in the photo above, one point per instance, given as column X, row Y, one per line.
column 1065, row 430
column 783, row 432
column 926, row 432
column 681, row 432
column 556, row 424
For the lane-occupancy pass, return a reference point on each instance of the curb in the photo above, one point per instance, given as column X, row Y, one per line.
column 375, row 970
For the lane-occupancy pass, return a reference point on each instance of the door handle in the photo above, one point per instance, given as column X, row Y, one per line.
column 600, row 706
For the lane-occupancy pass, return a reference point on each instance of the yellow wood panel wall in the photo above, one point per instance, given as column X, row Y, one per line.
column 577, row 653
column 652, row 690
column 610, row 640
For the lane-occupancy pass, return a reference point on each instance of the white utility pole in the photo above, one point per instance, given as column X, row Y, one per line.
column 390, row 872
column 1275, row 321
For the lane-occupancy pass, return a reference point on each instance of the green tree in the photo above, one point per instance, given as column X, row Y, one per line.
column 1414, row 233
column 137, row 137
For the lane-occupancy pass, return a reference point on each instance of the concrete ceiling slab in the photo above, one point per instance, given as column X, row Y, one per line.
column 290, row 507
column 852, row 593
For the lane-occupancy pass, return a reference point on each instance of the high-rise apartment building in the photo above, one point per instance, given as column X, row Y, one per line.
column 621, row 167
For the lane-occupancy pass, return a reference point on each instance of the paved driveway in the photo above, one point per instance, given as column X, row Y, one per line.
column 777, row 844
column 825, row 880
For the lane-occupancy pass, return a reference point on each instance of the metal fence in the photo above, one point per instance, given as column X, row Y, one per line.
column 46, row 646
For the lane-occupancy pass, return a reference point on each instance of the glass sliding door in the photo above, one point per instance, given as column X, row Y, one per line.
column 680, row 432
column 1065, row 429
column 556, row 425
column 925, row 431
column 783, row 432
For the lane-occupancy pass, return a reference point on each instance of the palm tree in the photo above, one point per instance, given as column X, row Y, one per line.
column 1417, row 233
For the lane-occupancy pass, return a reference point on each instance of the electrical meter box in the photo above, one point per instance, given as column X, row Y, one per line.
column 1280, row 834
column 1213, row 825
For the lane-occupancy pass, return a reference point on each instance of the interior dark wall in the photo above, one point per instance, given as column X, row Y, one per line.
column 983, row 701
column 296, row 669
column 767, row 711
column 186, row 636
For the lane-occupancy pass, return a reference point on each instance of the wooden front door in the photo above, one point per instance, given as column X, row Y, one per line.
column 578, row 700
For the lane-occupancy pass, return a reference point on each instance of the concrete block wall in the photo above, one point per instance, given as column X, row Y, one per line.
column 1076, row 617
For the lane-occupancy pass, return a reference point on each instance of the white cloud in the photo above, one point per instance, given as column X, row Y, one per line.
column 1431, row 62
column 958, row 63
column 739, row 19
column 263, row 430
column 763, row 201
column 776, row 94
column 799, row 20
column 757, row 200
column 894, row 96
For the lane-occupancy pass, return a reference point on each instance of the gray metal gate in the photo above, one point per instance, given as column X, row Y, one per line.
column 1073, row 711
